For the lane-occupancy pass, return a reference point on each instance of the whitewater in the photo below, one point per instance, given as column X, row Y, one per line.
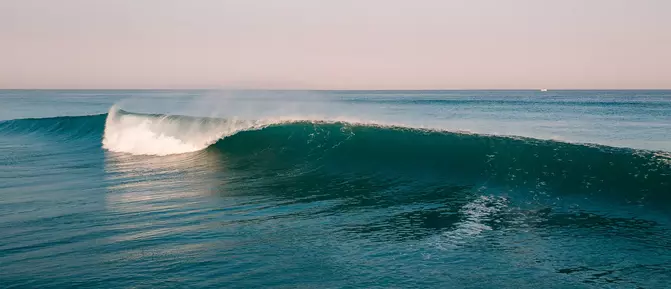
column 165, row 135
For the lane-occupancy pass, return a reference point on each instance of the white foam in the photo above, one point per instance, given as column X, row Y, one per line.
column 154, row 135
column 663, row 157
column 475, row 214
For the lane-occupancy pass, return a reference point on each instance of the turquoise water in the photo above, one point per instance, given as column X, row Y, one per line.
column 335, row 189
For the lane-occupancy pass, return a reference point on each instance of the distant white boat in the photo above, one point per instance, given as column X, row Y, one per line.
column 544, row 89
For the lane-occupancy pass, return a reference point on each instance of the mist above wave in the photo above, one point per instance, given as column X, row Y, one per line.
column 165, row 135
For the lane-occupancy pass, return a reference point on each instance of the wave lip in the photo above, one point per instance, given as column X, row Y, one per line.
column 145, row 134
column 161, row 135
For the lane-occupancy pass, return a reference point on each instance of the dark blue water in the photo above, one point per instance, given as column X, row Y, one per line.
column 335, row 189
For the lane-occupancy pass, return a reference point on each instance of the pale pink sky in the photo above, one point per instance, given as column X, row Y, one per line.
column 335, row 44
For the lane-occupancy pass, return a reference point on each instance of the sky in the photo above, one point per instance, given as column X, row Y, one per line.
column 336, row 44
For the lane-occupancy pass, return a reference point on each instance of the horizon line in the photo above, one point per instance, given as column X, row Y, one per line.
column 307, row 89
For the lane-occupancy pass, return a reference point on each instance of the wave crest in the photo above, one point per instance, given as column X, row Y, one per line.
column 161, row 135
column 144, row 134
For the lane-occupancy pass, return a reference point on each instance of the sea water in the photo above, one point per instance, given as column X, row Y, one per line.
column 335, row 189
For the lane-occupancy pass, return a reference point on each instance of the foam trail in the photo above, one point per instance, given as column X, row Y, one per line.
column 475, row 214
column 165, row 135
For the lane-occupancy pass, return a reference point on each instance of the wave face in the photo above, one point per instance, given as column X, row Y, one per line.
column 515, row 163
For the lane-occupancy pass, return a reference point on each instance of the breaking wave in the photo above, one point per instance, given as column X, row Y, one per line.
column 293, row 145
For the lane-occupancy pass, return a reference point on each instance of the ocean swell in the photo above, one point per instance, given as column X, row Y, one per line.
column 292, row 146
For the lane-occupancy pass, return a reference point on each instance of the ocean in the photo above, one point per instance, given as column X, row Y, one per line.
column 335, row 189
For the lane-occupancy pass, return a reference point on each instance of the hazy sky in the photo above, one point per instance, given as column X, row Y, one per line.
column 335, row 44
